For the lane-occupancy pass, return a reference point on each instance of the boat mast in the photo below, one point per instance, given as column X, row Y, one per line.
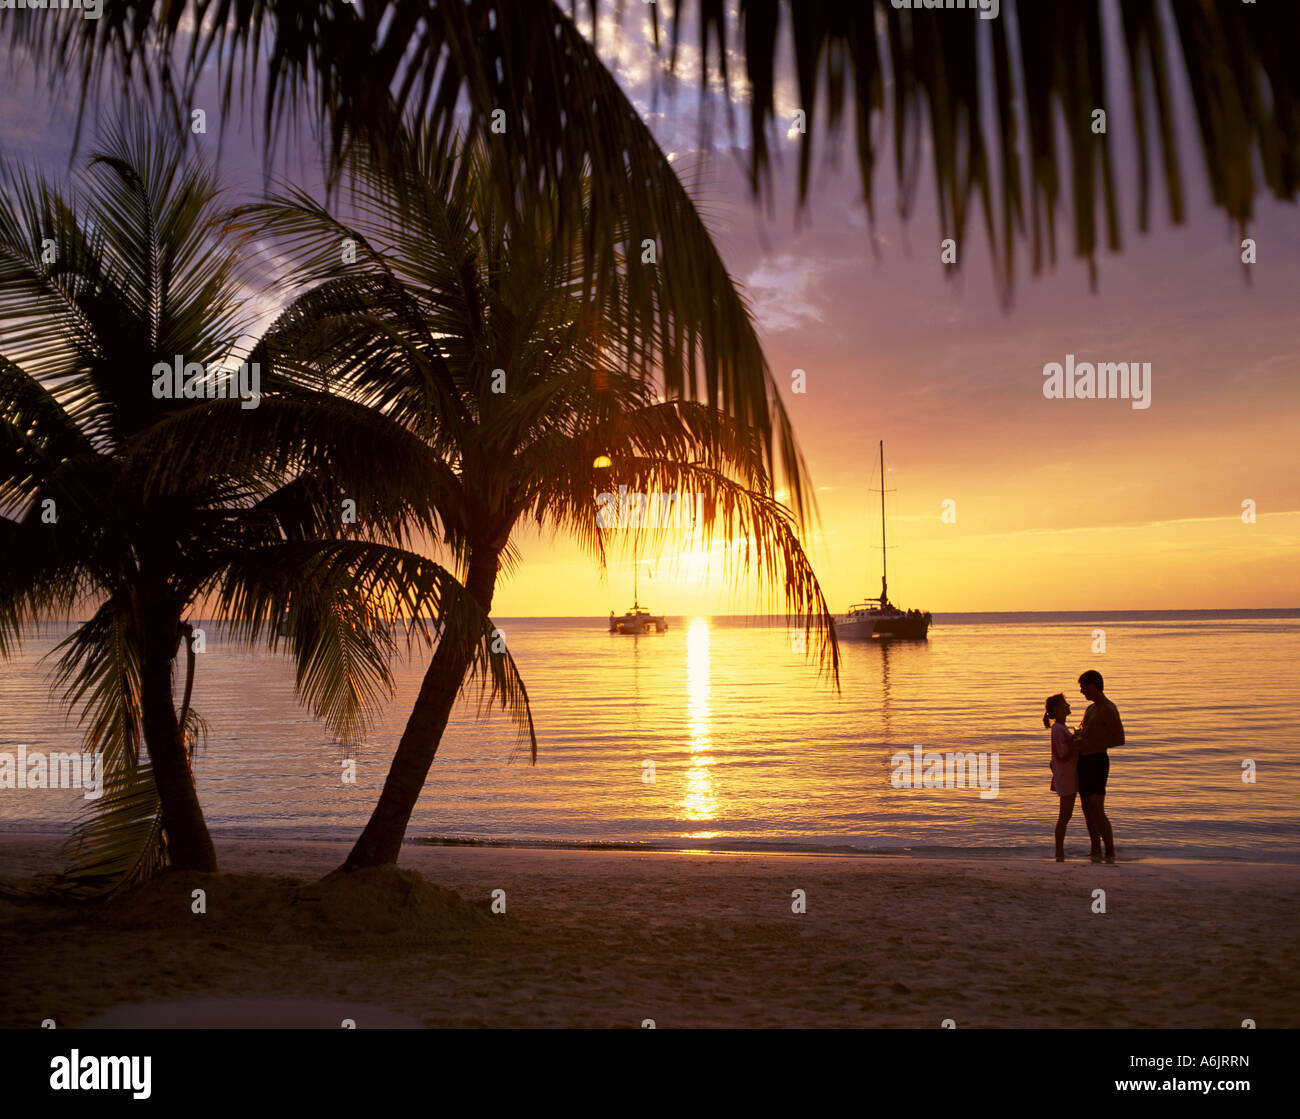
column 884, row 566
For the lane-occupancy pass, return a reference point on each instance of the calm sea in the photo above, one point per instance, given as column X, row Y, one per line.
column 751, row 750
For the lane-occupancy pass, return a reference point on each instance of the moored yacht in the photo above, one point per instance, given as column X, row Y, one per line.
column 878, row 617
column 638, row 619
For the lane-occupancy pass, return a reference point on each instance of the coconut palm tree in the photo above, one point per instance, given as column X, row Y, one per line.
column 98, row 287
column 475, row 328
column 986, row 116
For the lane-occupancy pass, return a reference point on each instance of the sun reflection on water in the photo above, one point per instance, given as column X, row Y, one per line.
column 700, row 800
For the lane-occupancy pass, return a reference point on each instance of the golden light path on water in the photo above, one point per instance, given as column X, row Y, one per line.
column 699, row 801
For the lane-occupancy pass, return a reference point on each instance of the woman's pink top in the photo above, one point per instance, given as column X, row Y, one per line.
column 1065, row 764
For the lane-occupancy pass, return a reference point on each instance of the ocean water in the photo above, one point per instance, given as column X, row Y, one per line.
column 750, row 749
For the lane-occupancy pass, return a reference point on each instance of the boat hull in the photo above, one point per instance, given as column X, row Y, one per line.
column 638, row 626
column 884, row 627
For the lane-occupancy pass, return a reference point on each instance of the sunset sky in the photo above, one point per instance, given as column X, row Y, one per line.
column 1060, row 504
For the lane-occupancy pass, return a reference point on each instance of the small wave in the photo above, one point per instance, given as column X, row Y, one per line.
column 867, row 849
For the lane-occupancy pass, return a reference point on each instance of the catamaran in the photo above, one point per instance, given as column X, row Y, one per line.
column 878, row 617
column 638, row 619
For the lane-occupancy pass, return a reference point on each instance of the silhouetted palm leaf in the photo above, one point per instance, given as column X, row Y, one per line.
column 341, row 603
column 990, row 135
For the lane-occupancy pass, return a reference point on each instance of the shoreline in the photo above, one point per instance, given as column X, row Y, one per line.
column 757, row 848
column 694, row 939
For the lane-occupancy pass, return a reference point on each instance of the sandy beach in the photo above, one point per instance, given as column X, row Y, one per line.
column 610, row 939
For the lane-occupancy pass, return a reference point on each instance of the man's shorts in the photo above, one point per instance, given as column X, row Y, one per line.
column 1093, row 771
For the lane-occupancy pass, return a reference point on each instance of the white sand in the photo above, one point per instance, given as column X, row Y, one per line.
column 613, row 938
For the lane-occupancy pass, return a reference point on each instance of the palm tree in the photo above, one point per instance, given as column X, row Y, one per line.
column 987, row 116
column 98, row 287
column 474, row 328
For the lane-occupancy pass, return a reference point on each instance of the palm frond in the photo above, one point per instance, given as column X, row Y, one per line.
column 852, row 61
column 335, row 448
column 98, row 670
column 921, row 68
column 119, row 841
column 341, row 603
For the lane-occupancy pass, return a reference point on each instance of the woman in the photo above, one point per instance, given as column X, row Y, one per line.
column 1065, row 765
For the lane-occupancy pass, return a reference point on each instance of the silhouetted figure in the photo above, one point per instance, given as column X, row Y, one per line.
column 1101, row 729
column 1065, row 780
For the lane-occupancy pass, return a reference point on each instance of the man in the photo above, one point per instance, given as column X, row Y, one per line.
column 1099, row 730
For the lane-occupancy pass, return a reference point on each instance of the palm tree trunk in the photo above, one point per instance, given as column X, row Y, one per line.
column 381, row 841
column 189, row 845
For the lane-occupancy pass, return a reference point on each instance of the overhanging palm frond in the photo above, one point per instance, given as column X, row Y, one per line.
column 922, row 70
column 925, row 71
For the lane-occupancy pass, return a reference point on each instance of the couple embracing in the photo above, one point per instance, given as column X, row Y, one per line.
column 1080, row 763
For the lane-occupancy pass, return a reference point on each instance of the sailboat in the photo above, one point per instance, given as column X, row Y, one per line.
column 878, row 617
column 638, row 619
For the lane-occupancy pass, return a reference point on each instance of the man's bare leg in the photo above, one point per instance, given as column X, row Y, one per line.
column 1094, row 811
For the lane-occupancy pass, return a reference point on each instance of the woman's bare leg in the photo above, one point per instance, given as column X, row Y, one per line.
column 1067, row 810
